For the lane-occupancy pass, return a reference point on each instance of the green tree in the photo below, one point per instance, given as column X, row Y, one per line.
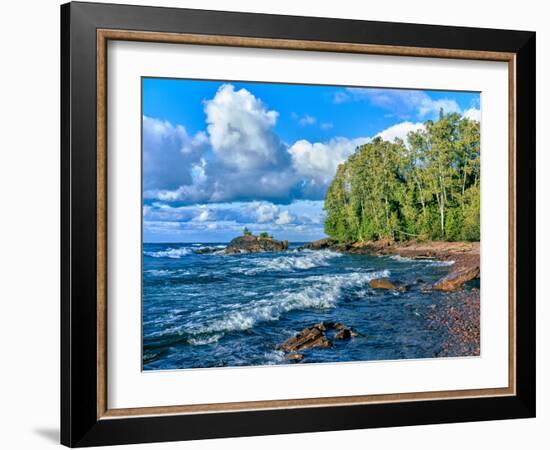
column 424, row 188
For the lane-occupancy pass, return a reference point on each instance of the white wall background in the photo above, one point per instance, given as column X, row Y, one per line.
column 29, row 224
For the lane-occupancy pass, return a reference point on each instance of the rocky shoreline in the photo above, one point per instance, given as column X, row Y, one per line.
column 460, row 322
column 465, row 256
column 458, row 318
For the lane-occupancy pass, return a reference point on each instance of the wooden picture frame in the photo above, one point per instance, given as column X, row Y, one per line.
column 86, row 418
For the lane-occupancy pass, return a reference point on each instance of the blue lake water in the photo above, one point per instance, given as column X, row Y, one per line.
column 215, row 310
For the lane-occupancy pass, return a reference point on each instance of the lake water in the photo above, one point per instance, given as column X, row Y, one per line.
column 215, row 310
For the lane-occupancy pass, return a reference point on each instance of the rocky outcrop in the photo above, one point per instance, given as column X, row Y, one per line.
column 316, row 336
column 205, row 250
column 311, row 337
column 255, row 244
column 320, row 244
column 385, row 283
column 456, row 279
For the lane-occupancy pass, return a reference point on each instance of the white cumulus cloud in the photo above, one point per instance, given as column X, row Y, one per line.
column 169, row 153
column 284, row 218
column 240, row 129
column 400, row 131
column 473, row 114
column 266, row 212
column 319, row 160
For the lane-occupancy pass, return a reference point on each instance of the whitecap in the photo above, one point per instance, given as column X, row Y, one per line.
column 275, row 357
column 167, row 272
column 305, row 261
column 174, row 253
column 319, row 292
column 159, row 272
column 212, row 339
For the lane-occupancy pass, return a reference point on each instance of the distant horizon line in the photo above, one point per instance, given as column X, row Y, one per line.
column 213, row 242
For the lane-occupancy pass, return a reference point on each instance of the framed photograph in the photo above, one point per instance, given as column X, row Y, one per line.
column 276, row 224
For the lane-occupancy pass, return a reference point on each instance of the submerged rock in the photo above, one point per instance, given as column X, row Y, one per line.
column 385, row 283
column 456, row 279
column 255, row 244
column 344, row 333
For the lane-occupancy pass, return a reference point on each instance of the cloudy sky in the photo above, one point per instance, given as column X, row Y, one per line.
column 219, row 156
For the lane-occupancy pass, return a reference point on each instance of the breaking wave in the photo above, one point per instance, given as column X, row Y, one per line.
column 174, row 253
column 304, row 261
column 320, row 292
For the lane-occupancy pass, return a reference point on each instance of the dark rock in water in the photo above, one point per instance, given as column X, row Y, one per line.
column 385, row 283
column 295, row 357
column 202, row 251
column 456, row 279
column 255, row 244
column 315, row 337
column 320, row 244
column 344, row 333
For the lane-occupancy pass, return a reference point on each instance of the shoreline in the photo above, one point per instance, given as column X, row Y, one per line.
column 464, row 254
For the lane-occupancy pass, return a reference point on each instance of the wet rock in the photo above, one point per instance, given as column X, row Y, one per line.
column 255, row 244
column 307, row 338
column 320, row 244
column 456, row 279
column 344, row 333
column 202, row 251
column 316, row 337
column 385, row 283
column 295, row 357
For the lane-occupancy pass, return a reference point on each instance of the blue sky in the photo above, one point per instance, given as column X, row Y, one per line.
column 218, row 156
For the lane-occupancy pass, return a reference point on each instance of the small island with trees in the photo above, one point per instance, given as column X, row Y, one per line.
column 249, row 243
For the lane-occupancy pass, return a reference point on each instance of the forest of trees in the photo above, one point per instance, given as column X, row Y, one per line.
column 426, row 188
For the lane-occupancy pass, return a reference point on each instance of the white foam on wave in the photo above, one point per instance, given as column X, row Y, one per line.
column 307, row 260
column 212, row 339
column 274, row 357
column 429, row 262
column 174, row 253
column 168, row 272
column 159, row 272
column 320, row 292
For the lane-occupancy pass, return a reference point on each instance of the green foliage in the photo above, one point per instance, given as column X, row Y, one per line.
column 246, row 232
column 426, row 188
column 264, row 235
